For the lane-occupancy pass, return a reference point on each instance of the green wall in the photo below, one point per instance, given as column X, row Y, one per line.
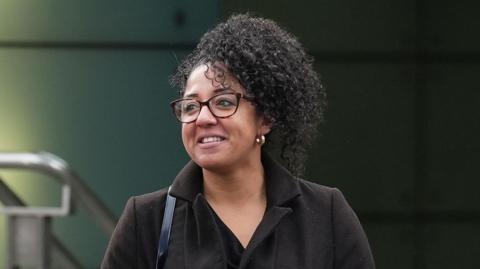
column 88, row 81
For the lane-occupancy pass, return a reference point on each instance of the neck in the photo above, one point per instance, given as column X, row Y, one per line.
column 235, row 187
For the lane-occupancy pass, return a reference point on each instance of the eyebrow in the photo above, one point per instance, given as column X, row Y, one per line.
column 219, row 90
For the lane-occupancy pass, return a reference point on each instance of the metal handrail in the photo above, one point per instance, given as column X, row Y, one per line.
column 57, row 168
column 45, row 163
column 61, row 257
column 23, row 219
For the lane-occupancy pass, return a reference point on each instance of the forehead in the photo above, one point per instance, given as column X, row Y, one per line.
column 207, row 78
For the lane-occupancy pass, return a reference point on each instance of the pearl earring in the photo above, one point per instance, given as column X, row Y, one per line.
column 260, row 140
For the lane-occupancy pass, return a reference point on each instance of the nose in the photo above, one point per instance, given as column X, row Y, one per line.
column 205, row 117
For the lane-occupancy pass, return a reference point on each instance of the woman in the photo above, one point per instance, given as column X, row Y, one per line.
column 247, row 87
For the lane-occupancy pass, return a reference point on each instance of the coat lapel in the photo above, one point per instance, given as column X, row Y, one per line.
column 282, row 188
column 203, row 245
column 271, row 219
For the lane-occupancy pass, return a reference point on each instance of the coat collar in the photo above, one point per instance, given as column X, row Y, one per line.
column 281, row 185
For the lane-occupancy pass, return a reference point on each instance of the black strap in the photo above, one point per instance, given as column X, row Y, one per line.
column 165, row 231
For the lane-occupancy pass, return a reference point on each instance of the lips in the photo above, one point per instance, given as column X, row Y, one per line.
column 210, row 139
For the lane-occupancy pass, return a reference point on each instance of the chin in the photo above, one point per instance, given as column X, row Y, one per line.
column 212, row 162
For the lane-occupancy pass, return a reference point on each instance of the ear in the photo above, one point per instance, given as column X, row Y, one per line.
column 265, row 125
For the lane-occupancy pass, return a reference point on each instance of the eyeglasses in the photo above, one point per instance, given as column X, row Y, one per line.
column 221, row 106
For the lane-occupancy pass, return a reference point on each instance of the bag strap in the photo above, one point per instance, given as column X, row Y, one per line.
column 165, row 231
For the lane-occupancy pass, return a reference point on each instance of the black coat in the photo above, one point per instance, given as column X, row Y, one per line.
column 306, row 226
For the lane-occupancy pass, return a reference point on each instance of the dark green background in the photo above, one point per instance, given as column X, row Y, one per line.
column 88, row 82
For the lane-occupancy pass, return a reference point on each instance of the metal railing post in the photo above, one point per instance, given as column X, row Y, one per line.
column 30, row 242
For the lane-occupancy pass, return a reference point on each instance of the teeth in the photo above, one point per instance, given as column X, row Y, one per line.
column 211, row 139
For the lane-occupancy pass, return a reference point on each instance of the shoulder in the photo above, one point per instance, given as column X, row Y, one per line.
column 150, row 199
column 351, row 244
column 145, row 204
column 314, row 192
column 141, row 207
column 136, row 230
column 320, row 198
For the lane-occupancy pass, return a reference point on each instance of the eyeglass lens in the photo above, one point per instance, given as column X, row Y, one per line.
column 222, row 105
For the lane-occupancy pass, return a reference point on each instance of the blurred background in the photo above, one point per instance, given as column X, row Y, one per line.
column 88, row 81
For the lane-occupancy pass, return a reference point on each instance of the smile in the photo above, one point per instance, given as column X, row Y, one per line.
column 211, row 139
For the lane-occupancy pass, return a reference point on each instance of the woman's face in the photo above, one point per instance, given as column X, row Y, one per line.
column 221, row 144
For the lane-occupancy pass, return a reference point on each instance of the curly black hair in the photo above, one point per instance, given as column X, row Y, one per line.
column 275, row 70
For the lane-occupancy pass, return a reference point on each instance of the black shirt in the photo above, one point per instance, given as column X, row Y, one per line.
column 232, row 246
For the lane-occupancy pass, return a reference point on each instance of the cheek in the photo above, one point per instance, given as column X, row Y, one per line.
column 186, row 133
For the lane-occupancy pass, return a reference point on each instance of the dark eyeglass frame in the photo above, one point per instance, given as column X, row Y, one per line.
column 207, row 103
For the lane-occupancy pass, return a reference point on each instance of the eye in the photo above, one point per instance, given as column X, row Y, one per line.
column 226, row 101
column 189, row 106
